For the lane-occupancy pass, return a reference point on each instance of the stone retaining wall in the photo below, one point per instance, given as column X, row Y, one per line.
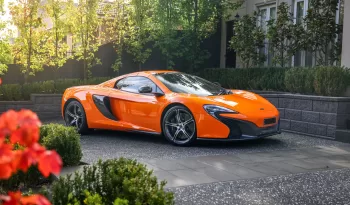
column 46, row 106
column 318, row 116
column 314, row 115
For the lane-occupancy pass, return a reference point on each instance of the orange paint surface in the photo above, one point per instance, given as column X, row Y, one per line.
column 143, row 112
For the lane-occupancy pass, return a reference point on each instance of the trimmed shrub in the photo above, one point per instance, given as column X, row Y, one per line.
column 62, row 84
column 326, row 81
column 31, row 179
column 247, row 78
column 300, row 80
column 65, row 140
column 331, row 81
column 118, row 181
column 10, row 92
column 38, row 88
column 15, row 92
column 96, row 80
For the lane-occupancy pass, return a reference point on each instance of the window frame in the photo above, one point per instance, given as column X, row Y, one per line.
column 268, row 18
column 302, row 52
column 158, row 89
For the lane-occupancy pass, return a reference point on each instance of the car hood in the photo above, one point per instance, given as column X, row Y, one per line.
column 241, row 100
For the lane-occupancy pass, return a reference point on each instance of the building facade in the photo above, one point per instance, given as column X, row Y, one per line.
column 268, row 11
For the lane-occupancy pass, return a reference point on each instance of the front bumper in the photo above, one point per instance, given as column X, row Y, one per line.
column 245, row 130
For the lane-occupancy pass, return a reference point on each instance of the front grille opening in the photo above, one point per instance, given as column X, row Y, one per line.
column 235, row 132
column 269, row 121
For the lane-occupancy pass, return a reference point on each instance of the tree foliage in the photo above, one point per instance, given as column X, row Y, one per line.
column 28, row 48
column 139, row 32
column 248, row 40
column 167, row 37
column 323, row 31
column 85, row 29
column 57, row 47
column 200, row 19
column 285, row 36
column 5, row 49
column 115, row 22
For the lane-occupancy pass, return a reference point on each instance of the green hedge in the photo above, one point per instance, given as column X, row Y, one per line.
column 325, row 81
column 65, row 140
column 9, row 92
column 117, row 181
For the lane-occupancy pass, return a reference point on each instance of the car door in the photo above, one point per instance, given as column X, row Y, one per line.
column 140, row 111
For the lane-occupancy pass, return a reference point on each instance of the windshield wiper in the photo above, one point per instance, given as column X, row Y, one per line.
column 225, row 92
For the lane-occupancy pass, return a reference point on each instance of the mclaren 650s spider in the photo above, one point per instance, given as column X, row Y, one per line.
column 179, row 106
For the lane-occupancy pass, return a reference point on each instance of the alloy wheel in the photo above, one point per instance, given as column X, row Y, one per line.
column 179, row 126
column 74, row 115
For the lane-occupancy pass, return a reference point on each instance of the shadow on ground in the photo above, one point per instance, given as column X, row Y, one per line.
column 156, row 139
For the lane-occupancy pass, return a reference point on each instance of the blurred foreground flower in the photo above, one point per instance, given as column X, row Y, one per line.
column 22, row 127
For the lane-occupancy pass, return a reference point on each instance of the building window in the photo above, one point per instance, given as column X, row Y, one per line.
column 267, row 13
column 301, row 58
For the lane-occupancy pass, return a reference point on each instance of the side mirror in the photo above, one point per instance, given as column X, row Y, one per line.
column 145, row 89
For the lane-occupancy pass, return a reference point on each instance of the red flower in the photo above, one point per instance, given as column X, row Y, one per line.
column 8, row 121
column 6, row 156
column 50, row 162
column 35, row 199
column 13, row 198
column 26, row 135
column 23, row 128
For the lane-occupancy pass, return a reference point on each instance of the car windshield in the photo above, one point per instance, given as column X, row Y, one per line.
column 189, row 84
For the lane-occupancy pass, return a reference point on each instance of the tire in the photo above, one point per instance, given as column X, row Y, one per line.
column 74, row 115
column 179, row 126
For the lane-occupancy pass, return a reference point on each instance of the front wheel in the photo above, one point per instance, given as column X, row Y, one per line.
column 74, row 115
column 179, row 126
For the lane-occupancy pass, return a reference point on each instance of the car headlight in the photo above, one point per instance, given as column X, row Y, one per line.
column 212, row 109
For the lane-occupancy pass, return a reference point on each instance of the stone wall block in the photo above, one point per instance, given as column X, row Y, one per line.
column 292, row 114
column 309, row 116
column 299, row 126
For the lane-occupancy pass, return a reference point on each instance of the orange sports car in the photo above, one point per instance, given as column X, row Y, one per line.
column 179, row 106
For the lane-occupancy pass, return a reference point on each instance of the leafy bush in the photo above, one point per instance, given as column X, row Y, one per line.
column 11, row 92
column 247, row 78
column 331, row 81
column 65, row 140
column 63, row 84
column 30, row 179
column 38, row 88
column 327, row 81
column 96, row 80
column 119, row 181
column 300, row 80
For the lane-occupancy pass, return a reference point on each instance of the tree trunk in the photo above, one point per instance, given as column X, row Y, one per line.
column 140, row 66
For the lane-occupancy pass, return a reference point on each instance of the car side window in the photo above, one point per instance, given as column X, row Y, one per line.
column 119, row 84
column 132, row 84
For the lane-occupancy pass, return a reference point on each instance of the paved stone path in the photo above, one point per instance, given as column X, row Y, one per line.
column 221, row 168
column 209, row 169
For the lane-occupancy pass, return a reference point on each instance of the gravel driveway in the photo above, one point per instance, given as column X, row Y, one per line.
column 108, row 144
column 322, row 187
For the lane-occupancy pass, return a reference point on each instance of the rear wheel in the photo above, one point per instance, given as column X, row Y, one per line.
column 179, row 126
column 74, row 115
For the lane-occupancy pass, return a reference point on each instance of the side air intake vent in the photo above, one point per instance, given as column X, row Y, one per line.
column 104, row 106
